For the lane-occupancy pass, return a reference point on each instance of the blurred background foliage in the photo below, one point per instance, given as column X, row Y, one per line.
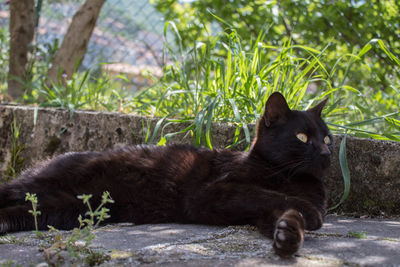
column 220, row 61
column 359, row 43
column 337, row 27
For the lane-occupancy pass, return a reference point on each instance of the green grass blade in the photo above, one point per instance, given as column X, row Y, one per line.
column 393, row 122
column 35, row 114
column 199, row 122
column 210, row 112
column 345, row 172
column 156, row 129
column 165, row 138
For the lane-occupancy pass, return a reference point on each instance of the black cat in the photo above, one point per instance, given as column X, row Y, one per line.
column 276, row 185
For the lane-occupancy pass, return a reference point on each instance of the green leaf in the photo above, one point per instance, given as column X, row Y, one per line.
column 351, row 89
column 393, row 122
column 173, row 25
column 365, row 49
column 210, row 112
column 235, row 109
column 156, row 128
column 35, row 113
column 345, row 172
column 162, row 141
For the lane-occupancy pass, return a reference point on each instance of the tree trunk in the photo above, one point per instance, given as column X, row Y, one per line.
column 22, row 27
column 75, row 43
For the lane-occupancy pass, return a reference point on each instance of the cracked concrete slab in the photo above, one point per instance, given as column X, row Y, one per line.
column 342, row 241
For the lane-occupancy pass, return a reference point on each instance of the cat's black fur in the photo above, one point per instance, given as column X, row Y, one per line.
column 276, row 185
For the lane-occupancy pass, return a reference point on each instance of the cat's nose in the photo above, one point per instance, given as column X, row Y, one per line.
column 325, row 151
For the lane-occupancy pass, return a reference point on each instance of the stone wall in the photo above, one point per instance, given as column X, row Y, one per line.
column 374, row 165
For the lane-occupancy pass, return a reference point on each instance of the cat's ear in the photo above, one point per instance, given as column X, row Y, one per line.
column 318, row 108
column 276, row 108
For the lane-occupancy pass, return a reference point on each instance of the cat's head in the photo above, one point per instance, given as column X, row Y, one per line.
column 293, row 141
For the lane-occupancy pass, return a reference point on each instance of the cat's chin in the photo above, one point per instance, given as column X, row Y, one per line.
column 315, row 170
column 318, row 167
column 324, row 163
column 319, row 172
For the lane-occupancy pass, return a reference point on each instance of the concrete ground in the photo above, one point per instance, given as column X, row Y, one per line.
column 342, row 241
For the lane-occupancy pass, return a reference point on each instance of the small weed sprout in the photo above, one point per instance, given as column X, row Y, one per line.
column 15, row 164
column 9, row 263
column 35, row 213
column 86, row 225
column 11, row 239
column 99, row 214
column 360, row 235
column 77, row 243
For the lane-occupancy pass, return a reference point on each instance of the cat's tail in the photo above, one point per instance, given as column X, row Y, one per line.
column 21, row 218
column 15, row 218
column 10, row 196
column 59, row 210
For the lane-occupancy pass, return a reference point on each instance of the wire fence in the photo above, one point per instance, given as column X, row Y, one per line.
column 127, row 32
column 128, row 35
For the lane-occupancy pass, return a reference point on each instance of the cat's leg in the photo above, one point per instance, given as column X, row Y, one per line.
column 238, row 203
column 312, row 216
column 223, row 204
column 275, row 214
column 309, row 197
column 288, row 227
column 289, row 233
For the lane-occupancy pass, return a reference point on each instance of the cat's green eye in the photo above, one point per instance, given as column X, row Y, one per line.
column 327, row 140
column 302, row 137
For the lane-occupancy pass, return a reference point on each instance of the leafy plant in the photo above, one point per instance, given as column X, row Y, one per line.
column 4, row 44
column 338, row 27
column 10, row 263
column 33, row 199
column 85, row 231
column 16, row 161
column 83, row 91
column 11, row 239
column 95, row 217
column 77, row 243
column 201, row 86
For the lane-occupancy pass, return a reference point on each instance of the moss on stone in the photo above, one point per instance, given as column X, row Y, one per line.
column 52, row 145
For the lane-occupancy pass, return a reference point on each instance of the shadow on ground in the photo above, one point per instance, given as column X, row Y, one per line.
column 341, row 241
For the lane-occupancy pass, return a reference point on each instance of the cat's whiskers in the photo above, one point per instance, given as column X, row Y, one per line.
column 290, row 165
column 295, row 170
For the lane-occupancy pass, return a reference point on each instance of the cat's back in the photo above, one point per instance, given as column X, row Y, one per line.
column 129, row 170
column 176, row 163
column 123, row 164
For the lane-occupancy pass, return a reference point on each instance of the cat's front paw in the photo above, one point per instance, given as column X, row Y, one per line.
column 289, row 233
column 312, row 216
